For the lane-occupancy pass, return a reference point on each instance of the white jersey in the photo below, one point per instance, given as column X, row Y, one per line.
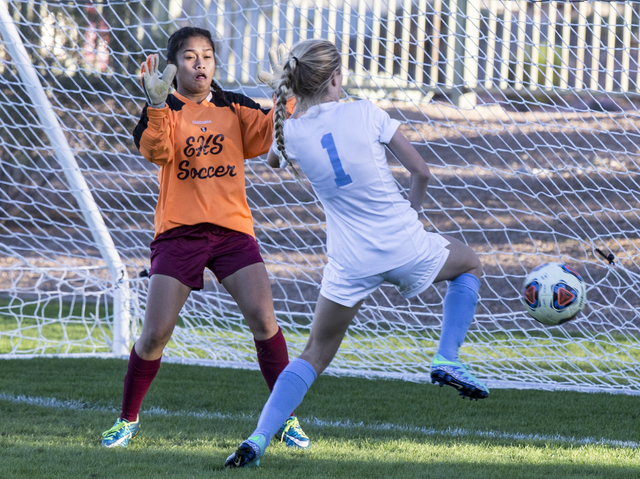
column 371, row 227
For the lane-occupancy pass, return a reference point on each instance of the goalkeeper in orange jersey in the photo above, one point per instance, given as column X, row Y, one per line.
column 199, row 136
column 373, row 232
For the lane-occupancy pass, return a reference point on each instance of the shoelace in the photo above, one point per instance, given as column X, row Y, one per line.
column 289, row 425
column 114, row 429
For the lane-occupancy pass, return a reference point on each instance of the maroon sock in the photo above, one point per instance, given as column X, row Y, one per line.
column 273, row 357
column 140, row 373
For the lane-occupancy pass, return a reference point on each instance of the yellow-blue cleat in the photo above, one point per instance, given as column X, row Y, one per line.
column 120, row 433
column 292, row 434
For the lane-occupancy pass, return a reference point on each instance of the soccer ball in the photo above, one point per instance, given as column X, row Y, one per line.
column 553, row 293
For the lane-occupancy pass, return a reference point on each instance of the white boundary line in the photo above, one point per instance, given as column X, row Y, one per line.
column 427, row 431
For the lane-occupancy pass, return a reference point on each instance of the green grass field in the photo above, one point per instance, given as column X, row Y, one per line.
column 52, row 412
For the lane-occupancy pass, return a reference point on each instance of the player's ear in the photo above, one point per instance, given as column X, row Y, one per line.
column 334, row 80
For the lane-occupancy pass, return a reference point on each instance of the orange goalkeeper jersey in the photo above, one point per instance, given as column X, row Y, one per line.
column 201, row 149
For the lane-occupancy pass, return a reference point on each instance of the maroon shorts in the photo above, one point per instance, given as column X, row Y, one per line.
column 185, row 251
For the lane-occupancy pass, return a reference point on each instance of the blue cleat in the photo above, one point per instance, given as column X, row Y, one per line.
column 121, row 432
column 456, row 374
column 248, row 453
column 292, row 434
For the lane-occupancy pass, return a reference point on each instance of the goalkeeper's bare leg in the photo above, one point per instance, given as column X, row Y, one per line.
column 165, row 299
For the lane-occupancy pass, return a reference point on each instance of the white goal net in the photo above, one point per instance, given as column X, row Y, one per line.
column 526, row 112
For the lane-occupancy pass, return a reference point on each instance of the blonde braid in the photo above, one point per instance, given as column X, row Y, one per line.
column 307, row 74
column 280, row 112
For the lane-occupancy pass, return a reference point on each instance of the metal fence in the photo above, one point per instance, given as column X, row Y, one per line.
column 445, row 45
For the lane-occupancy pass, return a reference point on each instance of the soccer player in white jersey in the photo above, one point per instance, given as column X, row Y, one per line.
column 373, row 232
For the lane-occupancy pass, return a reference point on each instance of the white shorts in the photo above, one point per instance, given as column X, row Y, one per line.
column 411, row 279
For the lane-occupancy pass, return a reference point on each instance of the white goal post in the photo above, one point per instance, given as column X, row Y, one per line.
column 77, row 185
column 526, row 112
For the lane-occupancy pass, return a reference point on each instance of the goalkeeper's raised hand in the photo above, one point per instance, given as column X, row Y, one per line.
column 277, row 58
column 156, row 88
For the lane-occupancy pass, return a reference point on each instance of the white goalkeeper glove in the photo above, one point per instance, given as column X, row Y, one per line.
column 277, row 58
column 156, row 88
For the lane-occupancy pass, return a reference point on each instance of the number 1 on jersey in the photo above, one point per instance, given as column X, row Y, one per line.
column 328, row 144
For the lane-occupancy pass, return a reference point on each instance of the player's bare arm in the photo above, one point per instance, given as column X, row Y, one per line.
column 409, row 157
column 273, row 160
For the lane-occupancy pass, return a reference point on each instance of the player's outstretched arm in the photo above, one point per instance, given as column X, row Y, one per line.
column 412, row 161
column 273, row 160
column 155, row 87
column 277, row 59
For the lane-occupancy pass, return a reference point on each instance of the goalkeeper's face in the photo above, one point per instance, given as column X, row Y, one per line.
column 196, row 66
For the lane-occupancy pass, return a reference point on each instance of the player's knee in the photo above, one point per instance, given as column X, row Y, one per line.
column 263, row 325
column 475, row 266
column 317, row 359
column 153, row 340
